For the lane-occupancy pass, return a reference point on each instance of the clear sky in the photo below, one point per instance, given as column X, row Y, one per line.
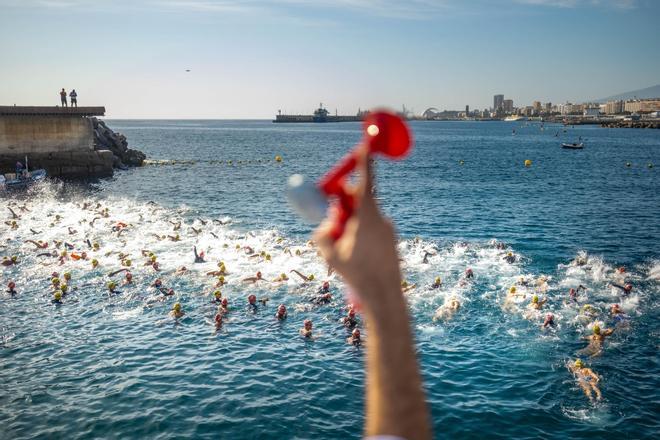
column 249, row 58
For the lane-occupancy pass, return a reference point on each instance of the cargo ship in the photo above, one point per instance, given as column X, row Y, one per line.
column 320, row 115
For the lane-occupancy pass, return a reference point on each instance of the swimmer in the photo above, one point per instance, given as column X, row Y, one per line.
column 57, row 297
column 447, row 310
column 281, row 313
column 217, row 320
column 572, row 293
column 427, row 254
column 324, row 298
column 94, row 263
column 510, row 258
column 39, row 244
column 181, row 270
column 549, row 321
column 437, row 283
column 217, row 297
column 128, row 279
column 617, row 314
column 112, row 274
column 222, row 270
column 586, row 378
column 325, row 288
column 468, row 273
column 10, row 261
column 253, row 279
column 11, row 288
column 221, row 281
column 176, row 312
column 537, row 304
column 307, row 278
column 355, row 338
column 350, row 321
column 306, row 330
column 174, row 237
column 224, row 306
column 596, row 340
column 252, row 302
column 405, row 287
column 199, row 258
column 627, row 288
column 112, row 287
column 282, row 278
column 157, row 283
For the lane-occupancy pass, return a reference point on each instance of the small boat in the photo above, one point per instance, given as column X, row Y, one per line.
column 28, row 178
column 573, row 146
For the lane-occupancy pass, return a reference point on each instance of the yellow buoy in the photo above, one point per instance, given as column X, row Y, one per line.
column 278, row 158
column 528, row 163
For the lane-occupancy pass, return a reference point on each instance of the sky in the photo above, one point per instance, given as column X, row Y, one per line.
column 251, row 58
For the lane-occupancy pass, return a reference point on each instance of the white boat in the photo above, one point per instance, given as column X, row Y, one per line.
column 515, row 118
column 573, row 146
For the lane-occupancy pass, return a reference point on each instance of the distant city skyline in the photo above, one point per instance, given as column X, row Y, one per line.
column 251, row 58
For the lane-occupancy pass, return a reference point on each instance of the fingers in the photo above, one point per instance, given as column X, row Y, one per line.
column 325, row 242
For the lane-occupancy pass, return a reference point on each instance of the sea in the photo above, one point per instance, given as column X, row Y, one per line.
column 114, row 365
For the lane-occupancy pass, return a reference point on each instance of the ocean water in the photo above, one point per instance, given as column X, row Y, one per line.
column 115, row 366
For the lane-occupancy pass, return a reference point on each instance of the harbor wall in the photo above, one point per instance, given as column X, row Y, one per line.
column 44, row 134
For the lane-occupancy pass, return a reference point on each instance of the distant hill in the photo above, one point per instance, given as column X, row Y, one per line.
column 649, row 92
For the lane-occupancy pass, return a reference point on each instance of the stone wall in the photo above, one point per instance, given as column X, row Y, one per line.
column 45, row 134
column 70, row 164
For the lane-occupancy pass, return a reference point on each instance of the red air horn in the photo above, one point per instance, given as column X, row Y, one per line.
column 385, row 133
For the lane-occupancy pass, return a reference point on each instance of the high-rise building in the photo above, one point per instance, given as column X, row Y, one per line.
column 537, row 106
column 467, row 110
column 507, row 105
column 642, row 105
column 498, row 102
column 548, row 107
column 614, row 107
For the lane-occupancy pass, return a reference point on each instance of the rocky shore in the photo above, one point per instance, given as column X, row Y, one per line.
column 106, row 139
column 632, row 124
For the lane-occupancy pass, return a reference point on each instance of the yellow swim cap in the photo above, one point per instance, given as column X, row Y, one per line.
column 55, row 281
column 283, row 276
column 62, row 254
column 509, row 254
column 438, row 280
column 95, row 262
column 262, row 253
column 96, row 246
column 67, row 275
column 528, row 163
column 238, row 246
column 112, row 285
column 267, row 257
column 579, row 363
column 535, row 299
column 279, row 240
column 596, row 329
column 512, row 289
column 298, row 252
column 404, row 283
column 58, row 295
column 311, row 277
column 221, row 279
column 64, row 288
column 127, row 262
column 177, row 306
column 217, row 294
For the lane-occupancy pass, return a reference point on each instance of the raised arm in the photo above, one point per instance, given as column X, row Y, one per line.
column 366, row 257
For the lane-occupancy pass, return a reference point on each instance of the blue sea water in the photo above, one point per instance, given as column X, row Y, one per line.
column 114, row 366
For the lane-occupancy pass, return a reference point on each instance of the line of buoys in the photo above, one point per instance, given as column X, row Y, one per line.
column 162, row 162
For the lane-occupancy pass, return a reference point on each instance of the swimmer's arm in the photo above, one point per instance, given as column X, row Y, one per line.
column 592, row 374
column 608, row 332
column 111, row 274
column 300, row 275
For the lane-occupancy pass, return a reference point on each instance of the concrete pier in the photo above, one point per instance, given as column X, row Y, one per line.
column 58, row 139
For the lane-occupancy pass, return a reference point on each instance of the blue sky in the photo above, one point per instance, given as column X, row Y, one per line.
column 250, row 58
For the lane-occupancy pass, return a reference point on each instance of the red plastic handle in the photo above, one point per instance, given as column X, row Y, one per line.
column 385, row 133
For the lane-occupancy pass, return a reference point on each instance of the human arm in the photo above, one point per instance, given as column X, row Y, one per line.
column 367, row 259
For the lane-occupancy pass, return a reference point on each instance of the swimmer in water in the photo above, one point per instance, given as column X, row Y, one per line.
column 447, row 310
column 586, row 378
column 112, row 287
column 596, row 340
column 39, row 244
column 112, row 274
column 323, row 298
column 626, row 289
column 199, row 258
column 217, row 297
column 355, row 338
column 306, row 330
column 222, row 270
column 221, row 281
column 617, row 314
column 549, row 321
column 282, row 278
column 573, row 293
column 437, row 283
column 427, row 254
column 57, row 297
column 10, row 261
column 176, row 312
column 281, row 313
column 253, row 279
column 350, row 320
column 325, row 287
column 128, row 279
column 405, row 287
column 11, row 288
column 468, row 273
column 217, row 320
column 307, row 278
column 537, row 304
column 224, row 306
column 510, row 258
column 157, row 283
column 252, row 302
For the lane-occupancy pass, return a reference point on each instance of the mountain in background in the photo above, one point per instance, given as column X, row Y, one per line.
column 649, row 92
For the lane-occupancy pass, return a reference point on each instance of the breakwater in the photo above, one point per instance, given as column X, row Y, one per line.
column 66, row 142
column 632, row 124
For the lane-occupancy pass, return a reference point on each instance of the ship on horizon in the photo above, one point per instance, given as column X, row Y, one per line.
column 320, row 115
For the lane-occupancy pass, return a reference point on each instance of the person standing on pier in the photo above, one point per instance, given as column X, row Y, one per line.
column 74, row 98
column 63, row 97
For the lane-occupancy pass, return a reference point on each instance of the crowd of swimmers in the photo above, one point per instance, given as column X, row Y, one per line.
column 61, row 252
